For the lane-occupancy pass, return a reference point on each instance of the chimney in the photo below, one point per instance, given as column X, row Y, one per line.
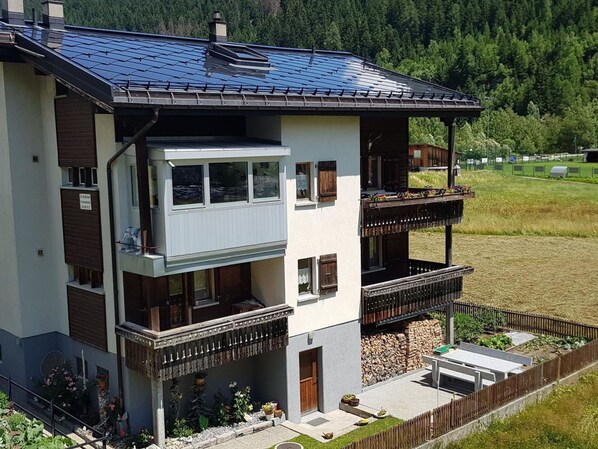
column 13, row 12
column 53, row 14
column 217, row 29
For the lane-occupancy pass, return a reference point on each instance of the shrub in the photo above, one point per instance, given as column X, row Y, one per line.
column 4, row 402
column 467, row 328
column 491, row 320
column 234, row 411
column 181, row 428
column 62, row 387
column 500, row 342
column 143, row 439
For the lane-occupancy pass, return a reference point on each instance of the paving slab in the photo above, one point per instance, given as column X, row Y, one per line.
column 520, row 338
column 336, row 422
column 260, row 440
column 407, row 396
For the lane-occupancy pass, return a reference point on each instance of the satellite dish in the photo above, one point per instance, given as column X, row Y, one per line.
column 51, row 361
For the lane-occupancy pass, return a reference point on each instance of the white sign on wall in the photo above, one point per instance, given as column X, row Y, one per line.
column 484, row 160
column 499, row 159
column 417, row 154
column 525, row 158
column 85, row 201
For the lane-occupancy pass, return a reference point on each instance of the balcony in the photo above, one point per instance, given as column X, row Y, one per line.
column 387, row 296
column 416, row 209
column 189, row 349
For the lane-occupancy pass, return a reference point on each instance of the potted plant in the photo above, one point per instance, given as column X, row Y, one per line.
column 278, row 413
column 102, row 380
column 268, row 409
column 347, row 398
column 381, row 413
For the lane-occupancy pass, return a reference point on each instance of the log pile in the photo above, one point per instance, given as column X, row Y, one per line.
column 393, row 351
column 383, row 356
column 422, row 337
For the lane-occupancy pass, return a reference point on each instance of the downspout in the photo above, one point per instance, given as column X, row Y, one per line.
column 111, row 161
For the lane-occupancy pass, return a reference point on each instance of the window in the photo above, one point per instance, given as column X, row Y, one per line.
column 81, row 176
column 228, row 182
column 187, row 185
column 87, row 276
column 201, row 285
column 266, row 180
column 153, row 186
column 326, row 181
column 305, row 279
column 328, row 274
column 374, row 170
column 373, row 259
column 303, row 181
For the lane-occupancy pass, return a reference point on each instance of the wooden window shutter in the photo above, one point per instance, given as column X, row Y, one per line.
column 328, row 274
column 326, row 181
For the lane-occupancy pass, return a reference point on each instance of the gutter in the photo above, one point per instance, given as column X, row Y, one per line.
column 111, row 161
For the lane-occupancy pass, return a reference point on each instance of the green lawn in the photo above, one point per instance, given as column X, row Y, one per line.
column 567, row 419
column 514, row 205
column 359, row 433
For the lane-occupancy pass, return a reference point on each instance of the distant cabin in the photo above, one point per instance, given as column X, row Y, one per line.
column 426, row 155
column 590, row 155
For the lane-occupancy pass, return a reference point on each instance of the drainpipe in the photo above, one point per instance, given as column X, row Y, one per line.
column 141, row 133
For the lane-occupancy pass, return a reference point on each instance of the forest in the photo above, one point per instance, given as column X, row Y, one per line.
column 533, row 63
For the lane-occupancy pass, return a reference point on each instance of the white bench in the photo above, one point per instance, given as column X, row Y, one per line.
column 478, row 376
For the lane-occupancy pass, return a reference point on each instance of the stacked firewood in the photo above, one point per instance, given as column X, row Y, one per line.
column 422, row 337
column 390, row 352
column 383, row 356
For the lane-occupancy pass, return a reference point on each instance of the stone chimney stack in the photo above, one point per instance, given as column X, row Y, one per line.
column 53, row 14
column 13, row 12
column 218, row 29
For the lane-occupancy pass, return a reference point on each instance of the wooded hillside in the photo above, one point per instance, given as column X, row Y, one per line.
column 534, row 63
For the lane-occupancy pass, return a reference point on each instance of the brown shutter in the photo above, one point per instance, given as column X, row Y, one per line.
column 326, row 181
column 328, row 274
column 75, row 131
column 87, row 317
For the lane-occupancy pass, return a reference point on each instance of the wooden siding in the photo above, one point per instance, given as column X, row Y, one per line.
column 427, row 288
column 186, row 350
column 75, row 131
column 389, row 139
column 82, row 230
column 402, row 215
column 326, row 181
column 186, row 231
column 87, row 317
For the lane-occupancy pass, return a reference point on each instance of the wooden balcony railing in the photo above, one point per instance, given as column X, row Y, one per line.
column 393, row 215
column 189, row 349
column 401, row 298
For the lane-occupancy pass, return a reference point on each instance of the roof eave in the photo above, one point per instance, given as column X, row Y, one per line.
column 294, row 103
column 79, row 79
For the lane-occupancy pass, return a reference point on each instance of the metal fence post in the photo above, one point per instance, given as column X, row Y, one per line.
column 10, row 389
column 52, row 419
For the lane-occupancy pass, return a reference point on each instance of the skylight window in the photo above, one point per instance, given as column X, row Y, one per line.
column 239, row 56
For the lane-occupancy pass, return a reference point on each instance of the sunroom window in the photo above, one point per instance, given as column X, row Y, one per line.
column 228, row 182
column 266, row 180
column 187, row 185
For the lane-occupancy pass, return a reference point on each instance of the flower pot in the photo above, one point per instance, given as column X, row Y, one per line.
column 278, row 413
column 354, row 402
column 270, row 417
column 199, row 381
column 102, row 384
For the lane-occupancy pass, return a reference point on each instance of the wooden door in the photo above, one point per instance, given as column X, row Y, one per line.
column 308, row 380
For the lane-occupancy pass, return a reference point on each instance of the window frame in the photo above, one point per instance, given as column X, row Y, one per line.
column 310, row 183
column 313, row 290
column 153, row 185
column 205, row 187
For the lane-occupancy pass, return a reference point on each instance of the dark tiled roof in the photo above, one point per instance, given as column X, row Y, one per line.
column 120, row 68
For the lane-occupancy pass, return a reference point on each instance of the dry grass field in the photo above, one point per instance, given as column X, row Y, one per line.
column 556, row 276
column 533, row 244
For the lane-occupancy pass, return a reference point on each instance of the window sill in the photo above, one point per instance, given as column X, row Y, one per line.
column 373, row 270
column 306, row 299
column 86, row 287
column 305, row 204
column 71, row 187
column 204, row 304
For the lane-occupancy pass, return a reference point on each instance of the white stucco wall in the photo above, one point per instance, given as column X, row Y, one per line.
column 106, row 148
column 31, row 207
column 324, row 228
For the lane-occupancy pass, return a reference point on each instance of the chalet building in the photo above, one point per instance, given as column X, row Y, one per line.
column 429, row 156
column 172, row 205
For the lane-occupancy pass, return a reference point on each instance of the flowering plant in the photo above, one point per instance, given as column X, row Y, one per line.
column 61, row 386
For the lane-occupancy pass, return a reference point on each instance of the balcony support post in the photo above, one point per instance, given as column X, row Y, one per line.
column 450, row 324
column 450, row 123
column 158, row 413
